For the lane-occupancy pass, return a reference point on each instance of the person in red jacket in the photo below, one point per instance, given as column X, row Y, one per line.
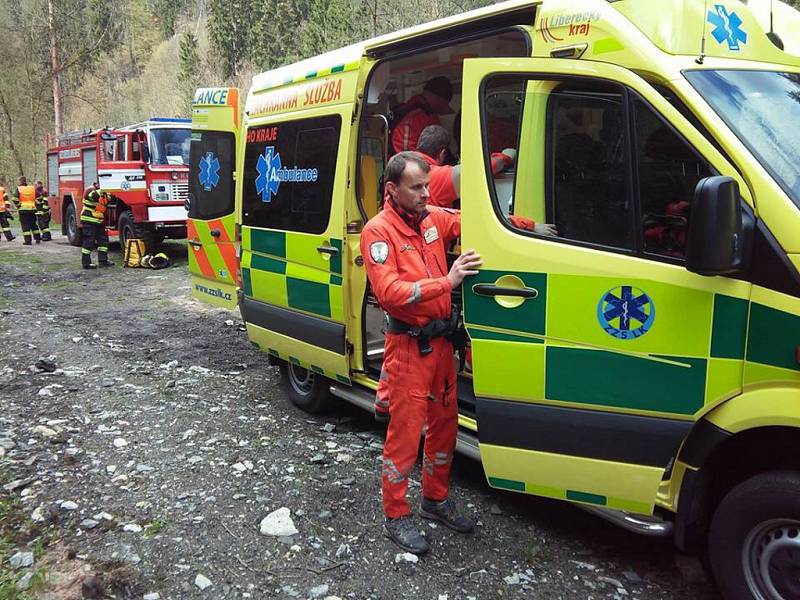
column 445, row 186
column 420, row 111
column 404, row 247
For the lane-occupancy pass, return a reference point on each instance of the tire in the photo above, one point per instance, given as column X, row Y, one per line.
column 307, row 390
column 130, row 229
column 71, row 225
column 754, row 540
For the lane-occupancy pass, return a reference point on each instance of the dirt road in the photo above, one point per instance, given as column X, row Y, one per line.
column 163, row 438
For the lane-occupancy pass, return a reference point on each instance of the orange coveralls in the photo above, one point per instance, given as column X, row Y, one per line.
column 407, row 269
column 443, row 191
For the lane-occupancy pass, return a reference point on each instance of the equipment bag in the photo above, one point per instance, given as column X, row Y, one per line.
column 134, row 251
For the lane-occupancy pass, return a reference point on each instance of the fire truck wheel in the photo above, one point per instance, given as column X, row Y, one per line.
column 130, row 229
column 71, row 223
column 307, row 390
column 754, row 540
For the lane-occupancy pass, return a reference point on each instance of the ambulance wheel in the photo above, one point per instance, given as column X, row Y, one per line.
column 307, row 390
column 130, row 229
column 71, row 223
column 754, row 540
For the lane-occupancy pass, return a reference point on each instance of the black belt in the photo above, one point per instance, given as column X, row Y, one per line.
column 447, row 328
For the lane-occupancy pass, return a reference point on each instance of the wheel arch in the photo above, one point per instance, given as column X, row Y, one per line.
column 749, row 434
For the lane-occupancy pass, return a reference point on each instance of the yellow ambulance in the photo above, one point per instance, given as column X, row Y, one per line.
column 645, row 363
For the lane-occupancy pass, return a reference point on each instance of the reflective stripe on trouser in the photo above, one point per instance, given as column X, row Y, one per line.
column 5, row 227
column 422, row 391
column 43, row 221
column 94, row 234
column 27, row 221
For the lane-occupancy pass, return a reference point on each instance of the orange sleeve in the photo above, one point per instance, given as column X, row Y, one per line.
column 443, row 192
column 380, row 259
column 522, row 222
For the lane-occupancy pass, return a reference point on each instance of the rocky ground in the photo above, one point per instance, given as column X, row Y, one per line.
column 143, row 441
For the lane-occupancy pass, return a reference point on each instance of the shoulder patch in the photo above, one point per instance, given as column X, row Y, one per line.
column 379, row 251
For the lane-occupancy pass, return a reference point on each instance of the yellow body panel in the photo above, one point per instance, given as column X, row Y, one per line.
column 763, row 407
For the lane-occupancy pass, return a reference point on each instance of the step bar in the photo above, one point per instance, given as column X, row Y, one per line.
column 466, row 441
column 467, row 444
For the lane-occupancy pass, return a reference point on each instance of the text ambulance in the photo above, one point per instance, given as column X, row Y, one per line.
column 645, row 362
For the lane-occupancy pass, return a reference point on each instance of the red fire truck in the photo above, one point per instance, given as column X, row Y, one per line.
column 145, row 167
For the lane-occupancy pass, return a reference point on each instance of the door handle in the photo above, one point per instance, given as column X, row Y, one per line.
column 105, row 174
column 216, row 233
column 489, row 289
column 329, row 250
column 195, row 243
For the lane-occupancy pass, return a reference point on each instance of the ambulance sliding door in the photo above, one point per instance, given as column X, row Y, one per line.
column 212, row 175
column 295, row 178
column 596, row 350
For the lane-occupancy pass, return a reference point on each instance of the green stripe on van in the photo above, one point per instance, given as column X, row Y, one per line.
column 308, row 296
column 774, row 337
column 247, row 282
column 730, row 327
column 507, row 484
column 337, row 69
column 265, row 263
column 336, row 261
column 529, row 316
column 588, row 498
column 624, row 381
column 268, row 242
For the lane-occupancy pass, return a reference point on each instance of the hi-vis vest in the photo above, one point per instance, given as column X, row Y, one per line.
column 27, row 198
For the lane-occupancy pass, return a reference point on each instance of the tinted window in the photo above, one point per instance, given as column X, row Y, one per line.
column 211, row 174
column 668, row 170
column 289, row 170
column 588, row 194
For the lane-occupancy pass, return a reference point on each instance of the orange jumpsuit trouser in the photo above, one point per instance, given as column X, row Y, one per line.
column 422, row 391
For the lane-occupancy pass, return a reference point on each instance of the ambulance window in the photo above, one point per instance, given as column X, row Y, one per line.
column 668, row 172
column 211, row 174
column 572, row 167
column 588, row 193
column 289, row 171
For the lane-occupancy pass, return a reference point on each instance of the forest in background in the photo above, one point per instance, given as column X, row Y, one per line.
column 123, row 61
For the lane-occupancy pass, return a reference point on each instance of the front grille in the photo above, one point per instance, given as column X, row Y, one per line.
column 178, row 192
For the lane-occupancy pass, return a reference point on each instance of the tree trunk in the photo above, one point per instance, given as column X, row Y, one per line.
column 10, row 133
column 55, row 70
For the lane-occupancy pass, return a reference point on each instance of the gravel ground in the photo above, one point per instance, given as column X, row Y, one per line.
column 143, row 466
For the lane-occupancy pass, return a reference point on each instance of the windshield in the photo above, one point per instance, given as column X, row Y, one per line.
column 169, row 146
column 763, row 110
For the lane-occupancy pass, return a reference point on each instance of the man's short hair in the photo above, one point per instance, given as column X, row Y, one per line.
column 440, row 86
column 433, row 139
column 397, row 164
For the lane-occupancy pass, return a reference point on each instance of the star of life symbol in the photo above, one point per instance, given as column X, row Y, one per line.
column 626, row 312
column 268, row 167
column 209, row 171
column 728, row 27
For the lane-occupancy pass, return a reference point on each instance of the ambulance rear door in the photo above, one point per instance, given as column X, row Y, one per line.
column 296, row 176
column 213, row 262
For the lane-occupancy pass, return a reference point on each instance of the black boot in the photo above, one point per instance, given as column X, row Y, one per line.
column 403, row 533
column 446, row 512
column 106, row 263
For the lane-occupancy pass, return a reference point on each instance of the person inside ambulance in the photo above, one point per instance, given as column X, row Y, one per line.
column 445, row 184
column 419, row 112
column 404, row 247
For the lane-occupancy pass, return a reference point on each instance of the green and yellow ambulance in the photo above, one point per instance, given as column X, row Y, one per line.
column 645, row 363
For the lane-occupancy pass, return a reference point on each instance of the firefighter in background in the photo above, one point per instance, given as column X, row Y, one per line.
column 405, row 251
column 5, row 214
column 25, row 199
column 42, row 212
column 93, row 228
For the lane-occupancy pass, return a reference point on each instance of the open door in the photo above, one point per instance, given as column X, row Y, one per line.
column 596, row 350
column 212, row 174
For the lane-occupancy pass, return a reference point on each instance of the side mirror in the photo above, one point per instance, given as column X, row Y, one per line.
column 716, row 242
column 187, row 204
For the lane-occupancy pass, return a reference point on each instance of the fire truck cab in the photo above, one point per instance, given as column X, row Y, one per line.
column 143, row 166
